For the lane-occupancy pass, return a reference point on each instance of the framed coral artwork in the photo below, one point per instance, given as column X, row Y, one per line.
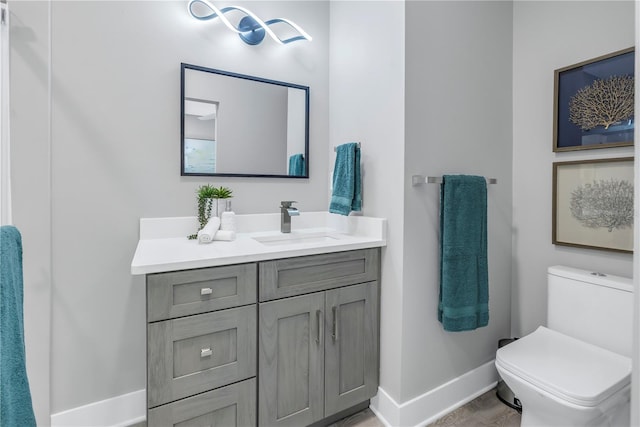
column 593, row 204
column 593, row 103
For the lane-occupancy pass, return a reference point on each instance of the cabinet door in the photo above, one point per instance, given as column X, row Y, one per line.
column 291, row 346
column 351, row 346
column 230, row 406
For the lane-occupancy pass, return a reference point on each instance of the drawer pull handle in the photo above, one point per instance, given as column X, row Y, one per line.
column 206, row 352
column 335, row 323
column 206, row 291
column 319, row 322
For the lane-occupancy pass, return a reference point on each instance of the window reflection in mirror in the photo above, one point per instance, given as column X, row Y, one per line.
column 200, row 135
column 238, row 125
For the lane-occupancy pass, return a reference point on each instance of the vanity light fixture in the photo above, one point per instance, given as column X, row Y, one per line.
column 251, row 29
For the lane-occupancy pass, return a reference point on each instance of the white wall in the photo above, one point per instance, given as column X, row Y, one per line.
column 548, row 36
column 458, row 120
column 31, row 182
column 5, row 151
column 367, row 105
column 114, row 157
column 433, row 90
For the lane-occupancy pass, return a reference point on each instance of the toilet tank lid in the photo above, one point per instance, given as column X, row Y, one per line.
column 565, row 367
column 593, row 277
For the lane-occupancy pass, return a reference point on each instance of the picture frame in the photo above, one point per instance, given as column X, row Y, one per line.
column 593, row 103
column 593, row 204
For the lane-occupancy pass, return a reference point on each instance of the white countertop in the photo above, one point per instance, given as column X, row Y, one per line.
column 163, row 245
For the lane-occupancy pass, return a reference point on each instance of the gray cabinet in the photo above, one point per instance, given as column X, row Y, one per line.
column 183, row 293
column 193, row 354
column 233, row 405
column 291, row 361
column 306, row 351
column 318, row 352
column 351, row 346
column 294, row 276
column 202, row 347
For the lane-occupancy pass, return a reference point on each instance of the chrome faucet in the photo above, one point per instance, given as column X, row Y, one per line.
column 286, row 212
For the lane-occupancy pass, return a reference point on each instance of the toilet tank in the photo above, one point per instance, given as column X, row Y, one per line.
column 591, row 306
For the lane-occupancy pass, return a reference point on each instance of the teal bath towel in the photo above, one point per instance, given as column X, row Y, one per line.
column 296, row 165
column 464, row 281
column 347, row 180
column 15, row 398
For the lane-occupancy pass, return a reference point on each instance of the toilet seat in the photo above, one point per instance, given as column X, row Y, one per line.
column 567, row 368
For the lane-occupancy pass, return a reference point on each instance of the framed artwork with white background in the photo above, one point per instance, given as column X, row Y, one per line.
column 593, row 204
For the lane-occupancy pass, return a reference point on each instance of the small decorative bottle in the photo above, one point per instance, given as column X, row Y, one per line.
column 228, row 218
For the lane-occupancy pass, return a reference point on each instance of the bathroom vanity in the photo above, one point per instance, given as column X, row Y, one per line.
column 271, row 329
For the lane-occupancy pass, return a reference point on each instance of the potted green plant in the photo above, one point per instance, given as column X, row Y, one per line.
column 221, row 193
column 208, row 197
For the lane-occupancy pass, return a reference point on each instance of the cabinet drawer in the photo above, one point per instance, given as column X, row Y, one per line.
column 295, row 276
column 233, row 405
column 197, row 353
column 183, row 293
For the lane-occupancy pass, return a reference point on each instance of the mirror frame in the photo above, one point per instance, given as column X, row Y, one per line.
column 185, row 67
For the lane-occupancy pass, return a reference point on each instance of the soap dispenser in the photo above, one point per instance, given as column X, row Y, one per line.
column 228, row 218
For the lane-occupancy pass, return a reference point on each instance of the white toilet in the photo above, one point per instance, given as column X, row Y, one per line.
column 577, row 370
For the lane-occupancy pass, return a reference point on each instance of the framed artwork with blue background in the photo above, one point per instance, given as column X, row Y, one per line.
column 593, row 103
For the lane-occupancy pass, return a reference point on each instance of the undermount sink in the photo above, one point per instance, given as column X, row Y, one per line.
column 295, row 238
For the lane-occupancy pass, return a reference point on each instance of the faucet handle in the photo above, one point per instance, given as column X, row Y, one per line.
column 287, row 203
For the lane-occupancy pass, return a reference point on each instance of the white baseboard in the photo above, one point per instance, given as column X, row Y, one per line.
column 435, row 403
column 124, row 410
column 130, row 408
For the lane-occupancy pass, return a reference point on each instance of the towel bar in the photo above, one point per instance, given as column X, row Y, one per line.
column 421, row 179
column 334, row 147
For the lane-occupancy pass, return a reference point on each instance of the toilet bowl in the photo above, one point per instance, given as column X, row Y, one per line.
column 563, row 380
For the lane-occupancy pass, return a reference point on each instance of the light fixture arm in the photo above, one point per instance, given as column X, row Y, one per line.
column 251, row 28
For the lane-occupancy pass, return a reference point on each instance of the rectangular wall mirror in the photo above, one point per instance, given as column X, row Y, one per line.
column 238, row 125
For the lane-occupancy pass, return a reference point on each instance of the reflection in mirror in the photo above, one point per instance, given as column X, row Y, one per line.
column 238, row 125
column 199, row 135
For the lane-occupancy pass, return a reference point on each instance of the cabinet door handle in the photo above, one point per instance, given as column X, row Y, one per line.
column 335, row 323
column 319, row 322
column 205, row 352
column 206, row 291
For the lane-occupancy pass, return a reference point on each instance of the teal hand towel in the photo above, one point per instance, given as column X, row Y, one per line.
column 296, row 165
column 464, row 283
column 15, row 398
column 347, row 180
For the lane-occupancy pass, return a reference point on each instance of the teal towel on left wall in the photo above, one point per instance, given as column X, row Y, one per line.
column 347, row 180
column 464, row 278
column 15, row 397
column 297, row 165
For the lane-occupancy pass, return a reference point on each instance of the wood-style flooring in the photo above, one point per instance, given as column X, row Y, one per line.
column 484, row 411
column 364, row 418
